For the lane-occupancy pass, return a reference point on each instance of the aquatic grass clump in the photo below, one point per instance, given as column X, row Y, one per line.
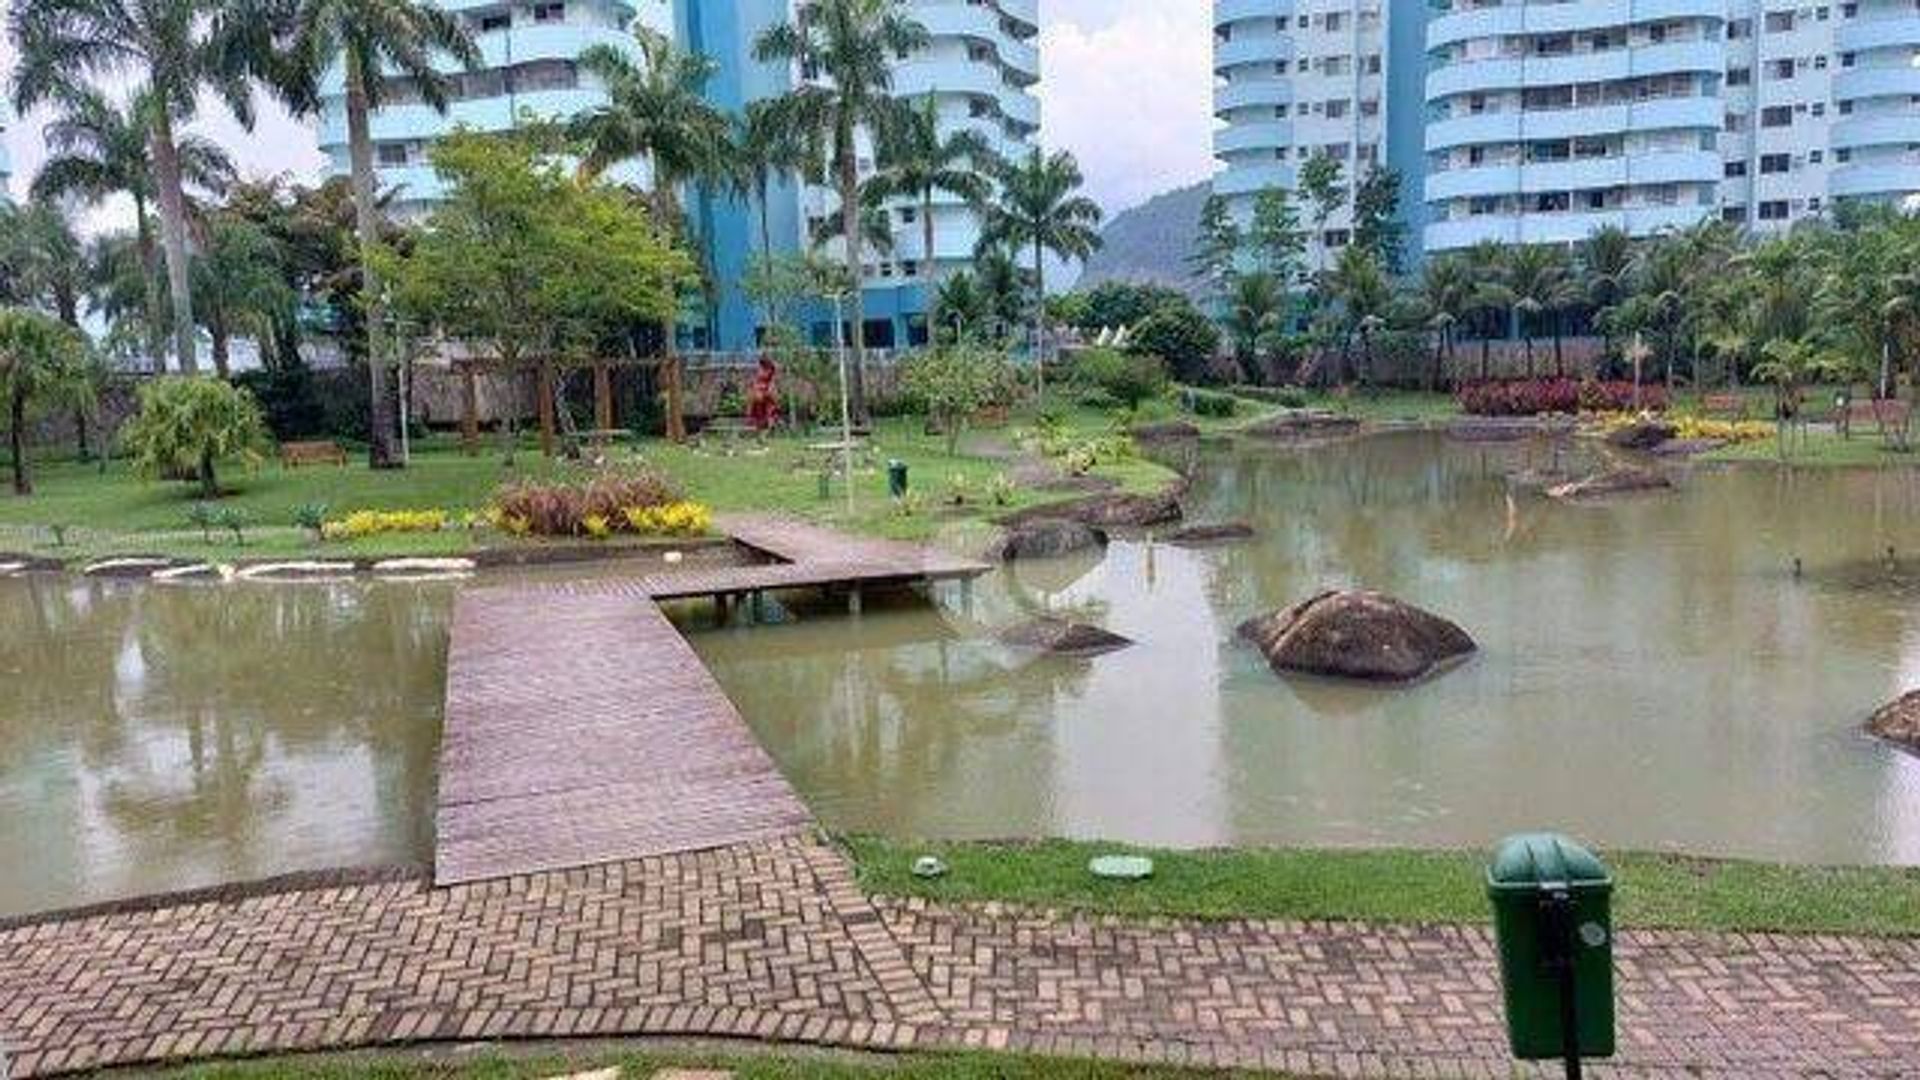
column 638, row 500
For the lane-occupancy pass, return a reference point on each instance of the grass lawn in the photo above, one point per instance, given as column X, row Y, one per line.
column 1821, row 449
column 1396, row 886
column 118, row 512
column 773, row 1065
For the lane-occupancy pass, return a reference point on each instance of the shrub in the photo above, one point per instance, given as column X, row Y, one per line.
column 1126, row 379
column 312, row 517
column 955, row 382
column 562, row 509
column 673, row 519
column 364, row 523
column 190, row 424
column 1183, row 337
column 1210, row 403
column 1536, row 397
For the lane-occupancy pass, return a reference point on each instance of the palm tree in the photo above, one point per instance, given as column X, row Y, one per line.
column 1606, row 276
column 1538, row 284
column 917, row 162
column 171, row 49
column 1041, row 210
column 40, row 358
column 1485, row 263
column 239, row 287
column 98, row 149
column 41, row 263
column 1359, row 289
column 1256, row 315
column 1447, row 295
column 846, row 49
column 764, row 153
column 656, row 109
column 378, row 44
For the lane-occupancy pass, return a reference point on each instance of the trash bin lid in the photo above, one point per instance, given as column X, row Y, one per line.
column 1531, row 860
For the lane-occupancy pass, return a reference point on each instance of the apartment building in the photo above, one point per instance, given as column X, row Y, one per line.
column 531, row 52
column 1541, row 122
column 979, row 70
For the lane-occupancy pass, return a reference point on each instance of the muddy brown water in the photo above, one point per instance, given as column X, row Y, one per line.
column 1653, row 675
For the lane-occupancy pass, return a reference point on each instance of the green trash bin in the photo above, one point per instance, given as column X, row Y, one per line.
column 897, row 479
column 1553, row 922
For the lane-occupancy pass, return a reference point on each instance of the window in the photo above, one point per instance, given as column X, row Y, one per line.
column 1775, row 163
column 1773, row 210
column 550, row 12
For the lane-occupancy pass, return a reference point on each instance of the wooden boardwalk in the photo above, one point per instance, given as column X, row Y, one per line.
column 581, row 728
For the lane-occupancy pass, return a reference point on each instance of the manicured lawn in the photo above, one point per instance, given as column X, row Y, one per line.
column 118, row 512
column 1396, row 886
column 1822, row 449
column 782, row 1065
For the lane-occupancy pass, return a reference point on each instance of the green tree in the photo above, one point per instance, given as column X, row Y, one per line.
column 1277, row 243
column 170, row 50
column 956, row 381
column 1117, row 304
column 97, row 149
column 1447, row 299
column 42, row 361
column 657, row 109
column 1323, row 186
column 1041, row 210
column 1539, row 285
column 1791, row 365
column 1605, row 276
column 379, row 45
column 1377, row 226
column 40, row 260
column 765, row 152
column 239, row 287
column 192, row 425
column 524, row 264
column 1360, row 295
column 852, row 46
column 1179, row 334
column 1215, row 257
column 918, row 163
column 1256, row 319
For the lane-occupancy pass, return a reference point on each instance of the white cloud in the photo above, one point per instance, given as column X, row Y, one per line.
column 1127, row 85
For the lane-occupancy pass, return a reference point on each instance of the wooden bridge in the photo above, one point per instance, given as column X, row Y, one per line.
column 581, row 727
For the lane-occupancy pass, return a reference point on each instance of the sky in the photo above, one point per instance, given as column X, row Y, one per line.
column 1126, row 85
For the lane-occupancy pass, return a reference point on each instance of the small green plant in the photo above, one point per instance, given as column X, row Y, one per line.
column 959, row 490
column 909, row 505
column 1000, row 489
column 312, row 517
column 1211, row 403
column 1124, row 379
column 204, row 516
column 234, row 520
column 59, row 534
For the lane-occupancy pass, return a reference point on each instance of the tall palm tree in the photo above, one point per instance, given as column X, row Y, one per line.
column 1040, row 209
column 171, row 50
column 1447, row 296
column 1606, row 276
column 378, row 44
column 41, row 264
column 98, row 149
column 1486, row 265
column 765, row 152
column 1361, row 294
column 918, row 163
column 239, row 286
column 40, row 360
column 845, row 49
column 1538, row 284
column 656, row 109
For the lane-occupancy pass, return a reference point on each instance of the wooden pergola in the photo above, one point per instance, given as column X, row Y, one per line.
column 545, row 369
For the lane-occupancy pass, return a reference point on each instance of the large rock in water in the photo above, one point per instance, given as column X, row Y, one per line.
column 1616, row 481
column 1303, row 424
column 1045, row 538
column 1358, row 635
column 1115, row 511
column 1643, row 434
column 1899, row 722
column 1062, row 638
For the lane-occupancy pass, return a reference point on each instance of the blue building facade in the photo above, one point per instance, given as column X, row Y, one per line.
column 978, row 71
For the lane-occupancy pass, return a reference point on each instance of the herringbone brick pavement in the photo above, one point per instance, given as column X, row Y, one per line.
column 774, row 941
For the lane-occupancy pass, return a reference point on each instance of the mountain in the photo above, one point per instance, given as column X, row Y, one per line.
column 1151, row 242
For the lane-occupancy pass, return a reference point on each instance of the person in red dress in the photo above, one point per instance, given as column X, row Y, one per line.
column 763, row 398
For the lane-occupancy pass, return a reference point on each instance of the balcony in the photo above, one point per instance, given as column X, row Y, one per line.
column 1249, row 179
column 1251, row 93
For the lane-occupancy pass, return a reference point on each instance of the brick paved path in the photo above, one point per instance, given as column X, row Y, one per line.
column 774, row 940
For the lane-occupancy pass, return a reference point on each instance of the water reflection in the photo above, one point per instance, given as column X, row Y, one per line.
column 162, row 738
column 1652, row 676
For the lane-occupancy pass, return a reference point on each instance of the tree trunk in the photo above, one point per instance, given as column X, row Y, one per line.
column 850, row 231
column 1559, row 358
column 150, row 275
column 222, row 350
column 209, row 483
column 927, row 261
column 173, row 234
column 17, row 442
column 81, row 431
column 381, row 453
column 469, row 410
column 543, row 388
column 1040, row 321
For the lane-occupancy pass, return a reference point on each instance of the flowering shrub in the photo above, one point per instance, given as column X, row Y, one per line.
column 362, row 523
column 562, row 509
column 1729, row 431
column 1536, row 397
column 673, row 519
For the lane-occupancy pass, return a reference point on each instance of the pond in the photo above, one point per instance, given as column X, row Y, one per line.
column 1653, row 675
